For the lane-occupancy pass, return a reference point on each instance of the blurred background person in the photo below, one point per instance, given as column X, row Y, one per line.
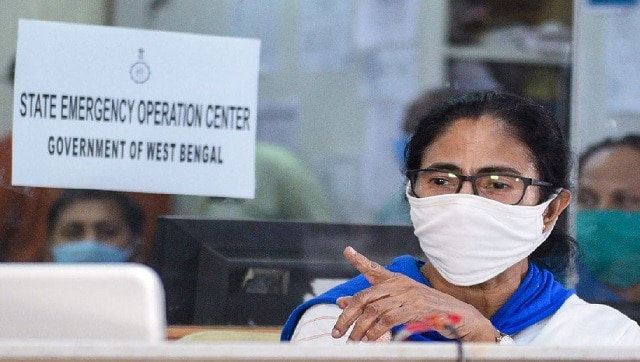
column 24, row 213
column 24, row 210
column 95, row 226
column 608, row 221
column 396, row 209
column 285, row 190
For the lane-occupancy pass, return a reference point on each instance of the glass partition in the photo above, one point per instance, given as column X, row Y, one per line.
column 337, row 79
column 606, row 140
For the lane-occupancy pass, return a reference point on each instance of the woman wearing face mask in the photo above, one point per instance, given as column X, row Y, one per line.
column 608, row 221
column 487, row 181
column 94, row 226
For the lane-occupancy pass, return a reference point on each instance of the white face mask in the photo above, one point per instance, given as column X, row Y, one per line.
column 470, row 239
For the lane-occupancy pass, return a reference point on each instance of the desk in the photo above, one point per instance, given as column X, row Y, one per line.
column 177, row 332
column 281, row 352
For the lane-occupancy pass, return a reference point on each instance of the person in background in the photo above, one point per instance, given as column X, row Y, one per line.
column 23, row 211
column 94, row 226
column 608, row 221
column 488, row 177
column 23, row 214
column 396, row 209
column 285, row 190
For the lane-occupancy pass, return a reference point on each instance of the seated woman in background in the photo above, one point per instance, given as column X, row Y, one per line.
column 94, row 226
column 608, row 221
column 23, row 211
column 487, row 180
column 23, row 215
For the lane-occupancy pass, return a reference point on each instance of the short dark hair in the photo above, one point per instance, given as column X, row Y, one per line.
column 631, row 140
column 536, row 128
column 131, row 210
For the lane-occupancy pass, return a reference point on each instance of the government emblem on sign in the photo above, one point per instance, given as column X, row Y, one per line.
column 140, row 71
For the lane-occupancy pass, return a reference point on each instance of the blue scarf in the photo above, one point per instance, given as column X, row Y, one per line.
column 538, row 297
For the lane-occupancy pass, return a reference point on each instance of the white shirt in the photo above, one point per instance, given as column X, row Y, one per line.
column 576, row 323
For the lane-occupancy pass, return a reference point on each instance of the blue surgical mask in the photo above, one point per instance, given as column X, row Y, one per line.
column 89, row 251
column 610, row 242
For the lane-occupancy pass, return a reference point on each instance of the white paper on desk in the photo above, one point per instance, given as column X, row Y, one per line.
column 384, row 22
column 159, row 98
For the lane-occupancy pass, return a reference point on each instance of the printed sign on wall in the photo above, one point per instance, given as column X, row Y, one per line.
column 134, row 110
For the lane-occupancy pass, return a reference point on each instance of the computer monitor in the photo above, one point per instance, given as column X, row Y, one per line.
column 248, row 272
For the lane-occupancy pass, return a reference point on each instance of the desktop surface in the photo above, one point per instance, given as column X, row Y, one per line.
column 284, row 352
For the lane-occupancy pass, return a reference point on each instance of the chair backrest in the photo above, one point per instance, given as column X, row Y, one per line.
column 48, row 301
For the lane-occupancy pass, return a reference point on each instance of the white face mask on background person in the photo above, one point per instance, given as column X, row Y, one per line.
column 470, row 239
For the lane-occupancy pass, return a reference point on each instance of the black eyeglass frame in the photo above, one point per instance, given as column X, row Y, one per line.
column 412, row 175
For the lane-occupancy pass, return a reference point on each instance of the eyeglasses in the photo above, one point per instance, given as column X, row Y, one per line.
column 505, row 188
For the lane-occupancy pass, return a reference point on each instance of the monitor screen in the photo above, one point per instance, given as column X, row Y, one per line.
column 247, row 272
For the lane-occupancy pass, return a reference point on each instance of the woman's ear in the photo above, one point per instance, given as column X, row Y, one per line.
column 555, row 208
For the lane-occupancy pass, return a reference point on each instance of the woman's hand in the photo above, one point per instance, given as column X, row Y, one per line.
column 395, row 299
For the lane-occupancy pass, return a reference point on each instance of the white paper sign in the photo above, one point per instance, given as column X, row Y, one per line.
column 134, row 110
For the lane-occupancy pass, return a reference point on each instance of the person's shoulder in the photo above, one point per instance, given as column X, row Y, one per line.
column 593, row 311
column 274, row 153
column 275, row 161
column 578, row 303
column 578, row 322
